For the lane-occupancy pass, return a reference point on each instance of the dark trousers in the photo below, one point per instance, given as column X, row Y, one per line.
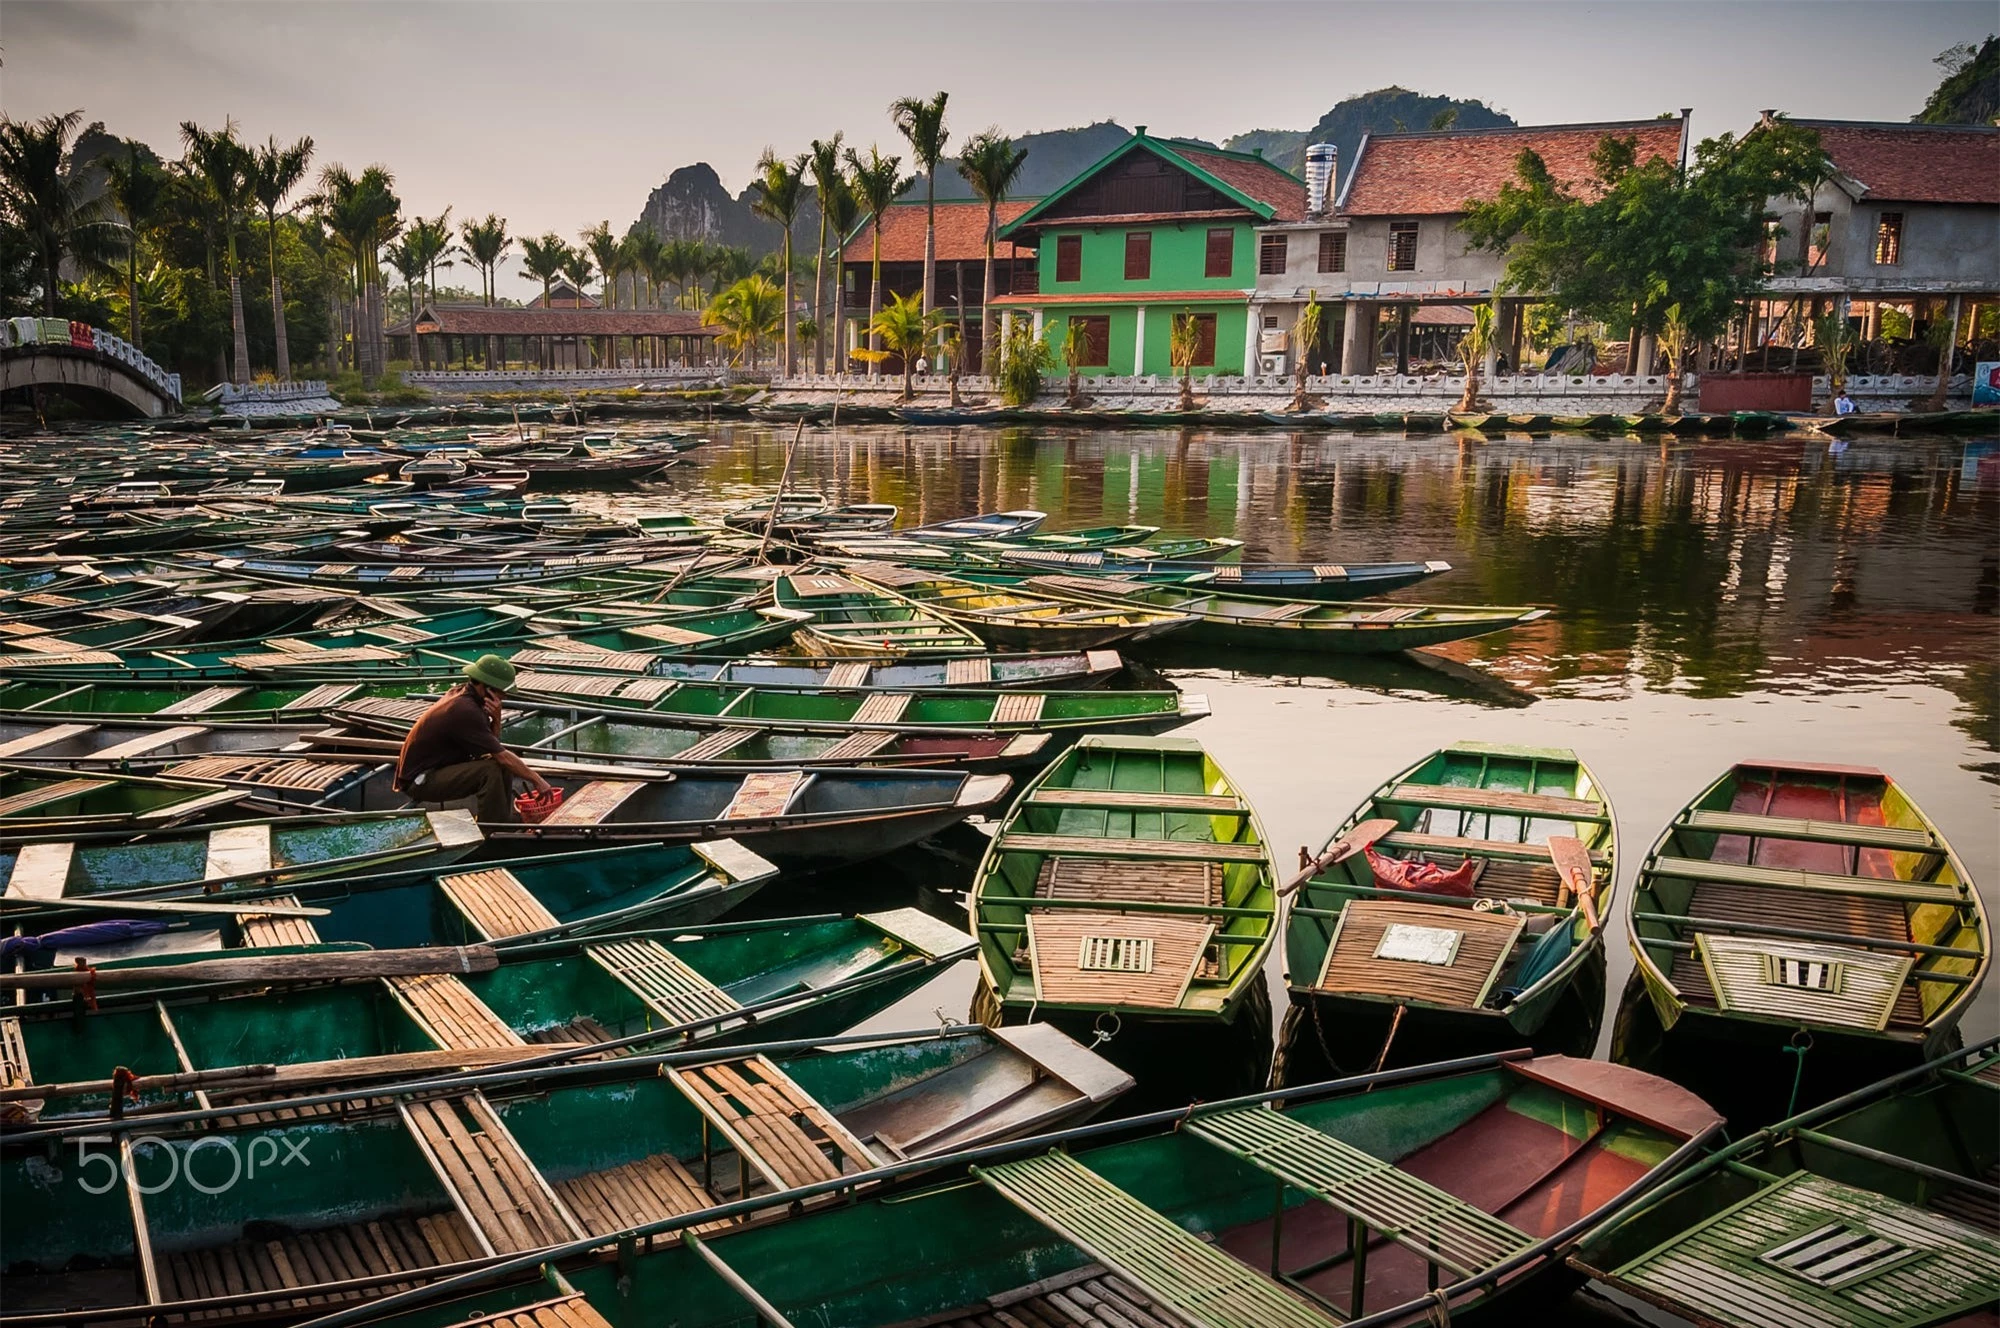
column 482, row 779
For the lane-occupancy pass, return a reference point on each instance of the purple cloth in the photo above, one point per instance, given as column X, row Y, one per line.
column 108, row 932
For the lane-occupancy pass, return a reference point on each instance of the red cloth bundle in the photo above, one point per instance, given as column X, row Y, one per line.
column 1423, row 877
column 536, row 804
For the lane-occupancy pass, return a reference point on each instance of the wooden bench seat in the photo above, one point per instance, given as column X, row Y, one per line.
column 594, row 802
column 1018, row 708
column 1435, row 1225
column 41, row 870
column 40, row 738
column 1200, row 803
column 964, row 672
column 715, row 745
column 1818, row 832
column 1353, row 967
column 1782, row 878
column 1413, row 842
column 853, row 673
column 319, row 698
column 859, row 746
column 450, row 1014
column 669, row 988
column 882, row 708
column 496, row 904
column 571, row 1311
column 1110, row 880
column 151, row 741
column 46, row 794
column 1506, row 802
column 603, row 661
column 1086, row 846
column 198, row 703
column 650, row 1190
column 1111, row 960
column 289, row 1265
column 262, row 929
column 1274, row 613
column 510, row 1207
column 1170, row 1265
column 764, row 794
column 775, row 1126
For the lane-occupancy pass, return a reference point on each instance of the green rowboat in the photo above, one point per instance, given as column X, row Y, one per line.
column 852, row 619
column 1008, row 619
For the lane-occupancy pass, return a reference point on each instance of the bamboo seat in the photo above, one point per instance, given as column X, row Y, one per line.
column 650, row 1190
column 1327, row 571
column 1382, row 617
column 605, row 661
column 401, row 633
column 662, row 980
column 199, row 703
column 1803, row 980
column 646, row 689
column 282, row 658
column 819, row 585
column 1090, row 846
column 496, row 904
column 1018, row 708
column 1504, row 879
column 1411, row 841
column 448, row 1011
column 1471, row 949
column 510, row 1207
column 320, row 697
column 1205, row 803
column 301, row 773
column 715, row 745
column 1198, row 1282
column 858, row 746
column 48, row 737
column 1437, row 1226
column 1281, row 612
column 386, row 707
column 1805, row 882
column 774, row 1125
column 261, row 929
column 668, row 634
column 1506, row 802
column 594, row 802
column 1106, row 959
column 43, row 796
column 966, row 672
column 569, row 684
column 152, row 741
column 882, row 708
column 1819, row 832
column 1160, row 882
column 854, row 673
column 297, row 1261
column 764, row 794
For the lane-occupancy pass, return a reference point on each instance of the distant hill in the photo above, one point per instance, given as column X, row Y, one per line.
column 1054, row 158
column 692, row 204
column 1384, row 111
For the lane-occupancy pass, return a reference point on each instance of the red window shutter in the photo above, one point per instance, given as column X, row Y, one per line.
column 1204, row 334
column 1138, row 255
column 1069, row 258
column 1221, row 253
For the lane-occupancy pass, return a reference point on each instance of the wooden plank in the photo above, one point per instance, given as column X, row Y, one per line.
column 764, row 794
column 1476, row 848
column 966, row 671
column 41, row 870
column 1821, row 832
column 321, row 697
column 40, row 738
column 1056, row 949
column 1504, row 801
column 594, row 802
column 668, row 634
column 882, row 708
column 1778, row 878
column 45, row 794
column 615, row 661
column 264, row 929
column 1221, row 804
column 859, row 746
column 149, row 742
column 199, row 703
column 853, row 673
column 496, row 903
column 1019, row 708
column 1783, row 978
column 1154, row 882
column 447, row 1010
column 1201, row 850
column 239, row 850
column 1352, row 966
column 715, row 745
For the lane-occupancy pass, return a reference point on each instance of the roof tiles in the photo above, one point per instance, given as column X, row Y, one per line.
column 1434, row 174
column 961, row 233
column 1915, row 163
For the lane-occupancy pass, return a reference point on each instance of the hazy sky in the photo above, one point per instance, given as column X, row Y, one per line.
column 561, row 113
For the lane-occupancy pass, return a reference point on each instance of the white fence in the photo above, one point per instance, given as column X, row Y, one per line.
column 59, row 333
column 677, row 376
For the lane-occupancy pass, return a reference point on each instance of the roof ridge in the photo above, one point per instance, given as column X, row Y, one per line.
column 1406, row 134
column 1254, row 158
column 1895, row 125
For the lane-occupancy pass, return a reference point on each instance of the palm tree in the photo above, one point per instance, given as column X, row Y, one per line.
column 904, row 328
column 429, row 239
column 729, row 264
column 363, row 213
column 544, row 258
column 645, row 254
column 603, row 247
column 922, row 123
column 990, row 163
column 42, row 196
column 841, row 209
column 778, row 187
column 274, row 173
column 1675, row 339
column 135, row 185
column 224, row 166
column 486, row 243
column 1473, row 347
column 825, row 166
column 748, row 312
column 878, row 182
column 1305, row 336
column 1183, row 344
column 407, row 257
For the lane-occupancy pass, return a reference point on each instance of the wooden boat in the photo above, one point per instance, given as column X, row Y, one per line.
column 988, row 525
column 415, row 1184
column 848, row 519
column 849, row 618
column 1347, row 1203
column 77, row 871
column 38, row 801
column 437, row 467
column 1385, row 968
column 138, row 744
column 1130, row 886
column 1252, row 622
column 1288, row 581
column 1004, row 618
column 1798, row 906
column 776, row 511
column 580, row 464
column 1879, row 1208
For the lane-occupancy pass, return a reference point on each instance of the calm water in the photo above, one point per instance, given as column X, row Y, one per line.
column 1713, row 602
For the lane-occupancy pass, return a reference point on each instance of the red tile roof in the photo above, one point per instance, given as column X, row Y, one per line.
column 961, row 233
column 1262, row 180
column 1434, row 174
column 1914, row 163
column 478, row 320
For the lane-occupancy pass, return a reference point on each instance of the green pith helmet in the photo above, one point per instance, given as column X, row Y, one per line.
column 492, row 671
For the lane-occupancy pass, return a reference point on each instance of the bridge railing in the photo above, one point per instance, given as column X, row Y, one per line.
column 18, row 332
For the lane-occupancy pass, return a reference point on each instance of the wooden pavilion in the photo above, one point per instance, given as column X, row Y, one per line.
column 575, row 337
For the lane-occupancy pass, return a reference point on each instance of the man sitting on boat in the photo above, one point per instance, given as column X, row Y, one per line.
column 454, row 748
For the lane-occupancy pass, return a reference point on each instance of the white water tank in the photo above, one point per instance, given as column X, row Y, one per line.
column 1322, row 159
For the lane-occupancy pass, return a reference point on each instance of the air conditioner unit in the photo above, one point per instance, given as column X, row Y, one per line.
column 1273, row 364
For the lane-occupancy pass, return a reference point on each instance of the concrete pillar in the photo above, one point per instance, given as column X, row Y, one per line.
column 1403, row 338
column 1037, row 329
column 1139, row 341
column 1649, row 348
column 1251, row 318
column 1357, row 339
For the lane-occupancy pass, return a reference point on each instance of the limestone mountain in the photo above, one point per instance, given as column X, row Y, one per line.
column 1390, row 110
column 692, row 204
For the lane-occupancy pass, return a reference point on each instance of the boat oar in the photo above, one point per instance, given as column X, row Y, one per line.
column 62, row 902
column 1354, row 841
column 1572, row 862
column 777, row 499
column 315, row 967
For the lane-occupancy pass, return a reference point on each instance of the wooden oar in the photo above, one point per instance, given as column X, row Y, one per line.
column 1572, row 861
column 168, row 906
column 314, row 967
column 1354, row 841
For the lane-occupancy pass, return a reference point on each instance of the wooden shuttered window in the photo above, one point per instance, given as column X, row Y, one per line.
column 1096, row 332
column 1402, row 246
column 1221, row 253
column 1889, row 239
column 1333, row 251
column 1204, row 340
column 1069, row 258
column 1272, row 251
column 1138, row 255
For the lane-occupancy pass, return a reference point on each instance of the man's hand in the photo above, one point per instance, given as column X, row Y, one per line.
column 489, row 701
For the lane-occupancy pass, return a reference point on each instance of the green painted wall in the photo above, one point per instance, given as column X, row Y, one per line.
column 1230, row 322
column 1180, row 255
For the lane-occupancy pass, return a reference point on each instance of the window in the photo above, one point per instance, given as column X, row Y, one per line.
column 1096, row 332
column 1822, row 231
column 1221, row 253
column 1333, row 251
column 1204, row 339
column 1270, row 322
column 1069, row 258
column 1138, row 255
column 1889, row 239
column 1402, row 246
column 1271, row 253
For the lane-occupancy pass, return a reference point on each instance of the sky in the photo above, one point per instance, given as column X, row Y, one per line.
column 561, row 113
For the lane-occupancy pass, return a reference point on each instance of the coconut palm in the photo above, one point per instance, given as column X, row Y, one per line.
column 1183, row 344
column 842, row 210
column 486, row 244
column 749, row 312
column 778, row 190
column 727, row 265
column 824, row 163
column 1305, row 336
column 544, row 257
column 922, row 124
column 406, row 255
column 274, row 172
column 990, row 163
column 135, row 185
column 904, row 329
column 604, row 249
column 362, row 211
column 1478, row 339
column 878, row 182
column 429, row 239
column 42, row 196
column 224, row 167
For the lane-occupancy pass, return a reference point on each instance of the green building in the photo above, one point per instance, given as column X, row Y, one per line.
column 1159, row 228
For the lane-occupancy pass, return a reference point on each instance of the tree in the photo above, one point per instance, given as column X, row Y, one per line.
column 1970, row 90
column 921, row 123
column 429, row 240
column 1183, row 345
column 904, row 329
column 1025, row 358
column 363, row 213
column 224, row 166
column 1305, row 336
column 1641, row 238
column 1473, row 347
column 486, row 243
column 824, row 162
column 544, row 257
column 274, row 172
column 727, row 265
column 991, row 164
column 1834, row 336
column 42, row 196
column 878, row 182
column 646, row 257
column 604, row 249
column 135, row 185
column 406, row 255
column 777, row 191
column 841, row 210
column 749, row 313
column 1075, row 345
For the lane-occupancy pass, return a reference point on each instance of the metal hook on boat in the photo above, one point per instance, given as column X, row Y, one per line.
column 1103, row 1034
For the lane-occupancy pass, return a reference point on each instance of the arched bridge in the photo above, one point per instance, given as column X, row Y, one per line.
column 52, row 352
